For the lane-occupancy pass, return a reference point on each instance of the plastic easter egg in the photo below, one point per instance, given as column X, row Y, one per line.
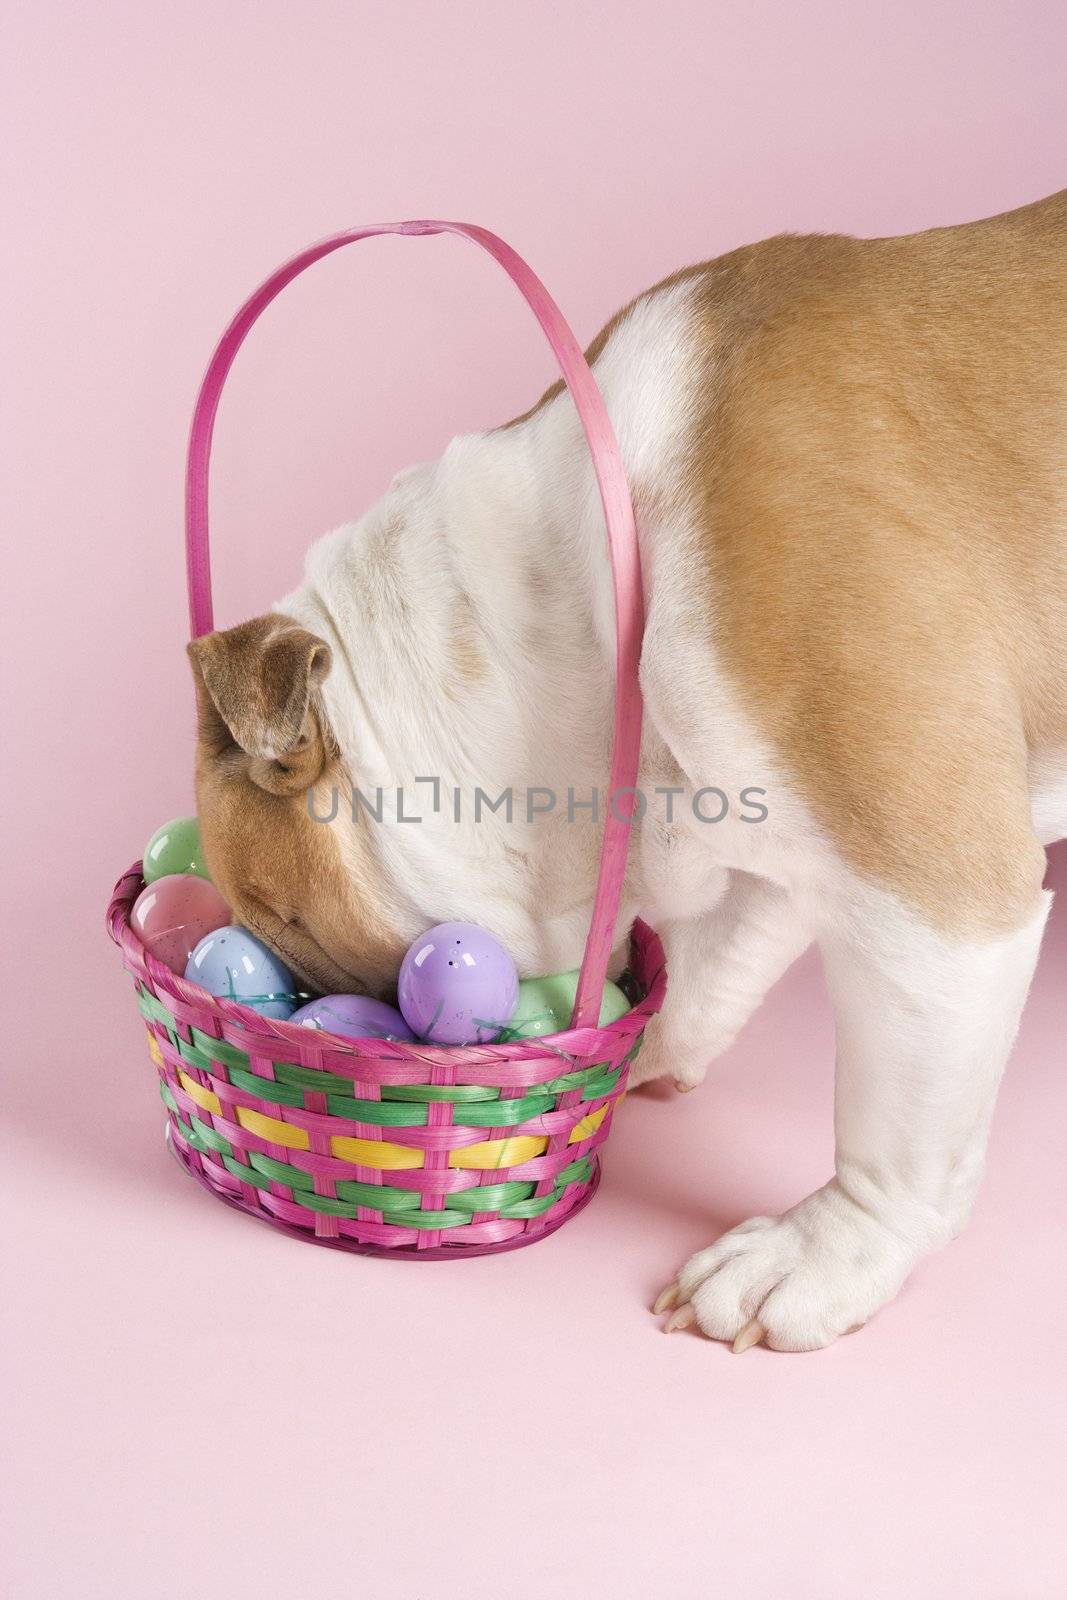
column 233, row 964
column 175, row 847
column 458, row 985
column 545, row 1005
column 173, row 914
column 354, row 1016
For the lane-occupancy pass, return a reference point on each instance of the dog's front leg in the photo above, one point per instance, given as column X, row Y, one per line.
column 720, row 966
column 924, row 1026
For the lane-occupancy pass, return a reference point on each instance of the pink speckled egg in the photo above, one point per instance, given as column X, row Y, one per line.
column 172, row 915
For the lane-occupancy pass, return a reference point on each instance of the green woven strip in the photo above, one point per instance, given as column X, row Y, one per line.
column 309, row 1078
column 337, row 1105
column 235, row 1061
column 596, row 1080
column 199, row 1134
column 491, row 1196
column 382, row 1196
column 403, row 1206
column 576, row 1080
column 219, row 1050
column 186, row 1131
column 250, row 1175
column 280, row 1171
column 301, row 1182
column 398, row 1114
column 383, row 1199
column 601, row 1086
column 504, row 1113
column 153, row 1010
column 377, row 1111
column 577, row 1172
column 420, row 1093
column 590, row 1078
column 530, row 1208
column 405, row 1219
column 262, row 1171
column 439, row 1091
column 205, row 1137
column 264, row 1088
column 512, row 1200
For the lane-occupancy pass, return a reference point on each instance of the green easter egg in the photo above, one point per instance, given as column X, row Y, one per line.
column 175, row 847
column 545, row 1006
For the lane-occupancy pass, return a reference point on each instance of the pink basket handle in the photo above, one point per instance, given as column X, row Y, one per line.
column 618, row 518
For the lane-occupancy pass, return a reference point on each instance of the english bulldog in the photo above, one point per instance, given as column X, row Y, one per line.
column 848, row 459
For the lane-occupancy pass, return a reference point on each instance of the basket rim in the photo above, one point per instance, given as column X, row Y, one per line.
column 261, row 1035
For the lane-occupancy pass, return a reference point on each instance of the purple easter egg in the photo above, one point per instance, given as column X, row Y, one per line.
column 354, row 1016
column 458, row 985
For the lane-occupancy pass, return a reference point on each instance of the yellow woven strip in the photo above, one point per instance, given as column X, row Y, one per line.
column 205, row 1098
column 588, row 1125
column 153, row 1048
column 488, row 1154
column 498, row 1152
column 362, row 1152
column 375, row 1153
column 271, row 1129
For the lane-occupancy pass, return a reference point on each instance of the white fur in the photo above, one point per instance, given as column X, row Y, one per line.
column 1048, row 791
column 924, row 1027
column 506, row 530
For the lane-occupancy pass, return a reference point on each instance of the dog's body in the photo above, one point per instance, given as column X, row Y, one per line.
column 849, row 464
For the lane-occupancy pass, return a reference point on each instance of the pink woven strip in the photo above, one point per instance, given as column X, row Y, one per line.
column 476, row 1238
column 438, row 1134
column 618, row 518
column 435, row 1140
column 369, row 1130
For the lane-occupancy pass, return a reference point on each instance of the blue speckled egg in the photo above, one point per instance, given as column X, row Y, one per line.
column 233, row 964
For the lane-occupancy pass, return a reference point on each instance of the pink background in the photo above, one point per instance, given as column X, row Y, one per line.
column 205, row 1408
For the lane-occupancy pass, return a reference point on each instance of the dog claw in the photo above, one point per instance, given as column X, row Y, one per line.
column 752, row 1333
column 684, row 1088
column 666, row 1300
column 682, row 1317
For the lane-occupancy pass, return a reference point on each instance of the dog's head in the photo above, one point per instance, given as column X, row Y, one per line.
column 314, row 893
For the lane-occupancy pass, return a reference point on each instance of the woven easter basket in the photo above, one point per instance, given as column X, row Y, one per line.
column 386, row 1147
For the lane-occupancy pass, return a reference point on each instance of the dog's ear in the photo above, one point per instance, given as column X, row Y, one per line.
column 257, row 690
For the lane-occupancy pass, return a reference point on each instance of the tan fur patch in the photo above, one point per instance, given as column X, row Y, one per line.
column 261, row 677
column 465, row 644
column 309, row 889
column 882, row 476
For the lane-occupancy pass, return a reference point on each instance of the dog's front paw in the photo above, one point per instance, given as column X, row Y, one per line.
column 669, row 1051
column 794, row 1282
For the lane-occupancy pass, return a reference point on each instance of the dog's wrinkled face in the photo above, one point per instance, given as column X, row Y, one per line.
column 312, row 892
